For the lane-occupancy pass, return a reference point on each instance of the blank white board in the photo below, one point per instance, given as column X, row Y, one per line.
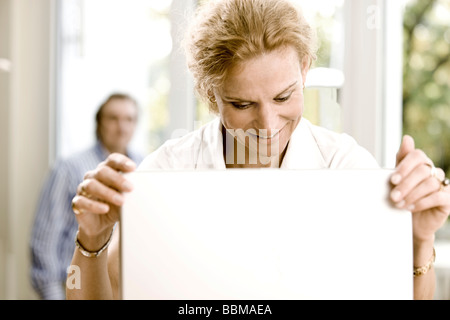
column 264, row 235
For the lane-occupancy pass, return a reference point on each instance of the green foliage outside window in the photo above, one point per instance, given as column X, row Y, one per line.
column 426, row 79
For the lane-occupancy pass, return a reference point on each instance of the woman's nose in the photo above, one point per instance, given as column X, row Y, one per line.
column 267, row 118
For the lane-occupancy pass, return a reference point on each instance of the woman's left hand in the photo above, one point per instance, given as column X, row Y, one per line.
column 419, row 188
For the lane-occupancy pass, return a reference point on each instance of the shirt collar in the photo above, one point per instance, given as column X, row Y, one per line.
column 303, row 151
column 101, row 151
column 211, row 150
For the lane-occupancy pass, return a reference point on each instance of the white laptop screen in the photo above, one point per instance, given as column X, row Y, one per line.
column 264, row 235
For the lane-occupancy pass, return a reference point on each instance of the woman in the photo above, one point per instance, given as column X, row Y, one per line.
column 250, row 59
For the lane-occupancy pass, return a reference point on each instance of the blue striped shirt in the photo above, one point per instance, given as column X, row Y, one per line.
column 52, row 240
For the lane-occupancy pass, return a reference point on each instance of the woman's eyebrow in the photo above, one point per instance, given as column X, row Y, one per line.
column 234, row 99
column 290, row 87
column 244, row 100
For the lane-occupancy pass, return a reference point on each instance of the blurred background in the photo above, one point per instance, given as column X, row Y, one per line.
column 383, row 70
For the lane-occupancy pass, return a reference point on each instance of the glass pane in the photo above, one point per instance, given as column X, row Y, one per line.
column 111, row 46
column 326, row 16
column 426, row 78
column 321, row 100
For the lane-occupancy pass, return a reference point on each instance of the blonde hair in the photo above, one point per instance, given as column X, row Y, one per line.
column 225, row 32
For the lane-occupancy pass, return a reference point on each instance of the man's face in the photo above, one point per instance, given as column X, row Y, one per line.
column 117, row 124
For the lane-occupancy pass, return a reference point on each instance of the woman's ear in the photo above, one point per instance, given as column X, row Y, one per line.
column 305, row 65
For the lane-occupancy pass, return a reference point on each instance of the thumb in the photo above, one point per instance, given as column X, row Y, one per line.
column 406, row 147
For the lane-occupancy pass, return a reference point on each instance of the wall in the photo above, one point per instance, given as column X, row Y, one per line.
column 4, row 115
column 25, row 92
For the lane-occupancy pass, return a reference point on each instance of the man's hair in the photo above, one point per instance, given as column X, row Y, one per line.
column 99, row 114
column 227, row 32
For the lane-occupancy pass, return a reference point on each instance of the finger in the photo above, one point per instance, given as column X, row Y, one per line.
column 82, row 205
column 439, row 200
column 440, row 175
column 424, row 189
column 406, row 147
column 409, row 163
column 94, row 189
column 410, row 182
column 90, row 174
column 120, row 162
column 116, row 161
column 112, row 178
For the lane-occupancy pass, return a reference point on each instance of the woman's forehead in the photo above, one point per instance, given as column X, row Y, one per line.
column 273, row 72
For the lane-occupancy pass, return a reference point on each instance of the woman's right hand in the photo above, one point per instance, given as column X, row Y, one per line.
column 99, row 199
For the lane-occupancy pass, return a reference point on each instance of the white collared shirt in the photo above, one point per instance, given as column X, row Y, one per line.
column 310, row 147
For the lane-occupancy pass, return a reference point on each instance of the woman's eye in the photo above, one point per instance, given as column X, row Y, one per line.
column 282, row 99
column 240, row 105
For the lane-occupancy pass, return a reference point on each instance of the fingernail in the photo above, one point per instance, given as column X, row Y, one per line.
column 401, row 204
column 118, row 200
column 411, row 207
column 103, row 207
column 127, row 186
column 129, row 164
column 396, row 195
column 396, row 178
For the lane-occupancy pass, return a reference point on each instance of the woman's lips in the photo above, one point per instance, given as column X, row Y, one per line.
column 263, row 137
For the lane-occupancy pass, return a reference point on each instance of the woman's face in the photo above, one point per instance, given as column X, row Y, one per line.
column 261, row 101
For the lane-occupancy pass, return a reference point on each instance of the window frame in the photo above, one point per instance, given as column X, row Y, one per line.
column 372, row 94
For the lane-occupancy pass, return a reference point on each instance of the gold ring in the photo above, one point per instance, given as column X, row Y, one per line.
column 444, row 184
column 83, row 192
column 75, row 210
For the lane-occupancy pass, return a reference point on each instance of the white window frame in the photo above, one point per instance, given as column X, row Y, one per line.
column 182, row 102
column 372, row 95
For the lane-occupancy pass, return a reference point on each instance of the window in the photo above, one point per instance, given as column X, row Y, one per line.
column 134, row 47
column 426, row 77
column 107, row 46
column 326, row 78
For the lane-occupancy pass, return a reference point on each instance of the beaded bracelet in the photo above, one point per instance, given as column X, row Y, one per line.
column 420, row 271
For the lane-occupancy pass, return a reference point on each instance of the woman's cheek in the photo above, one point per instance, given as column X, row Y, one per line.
column 295, row 108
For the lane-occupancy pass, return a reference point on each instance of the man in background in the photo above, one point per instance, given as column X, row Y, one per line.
column 52, row 240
